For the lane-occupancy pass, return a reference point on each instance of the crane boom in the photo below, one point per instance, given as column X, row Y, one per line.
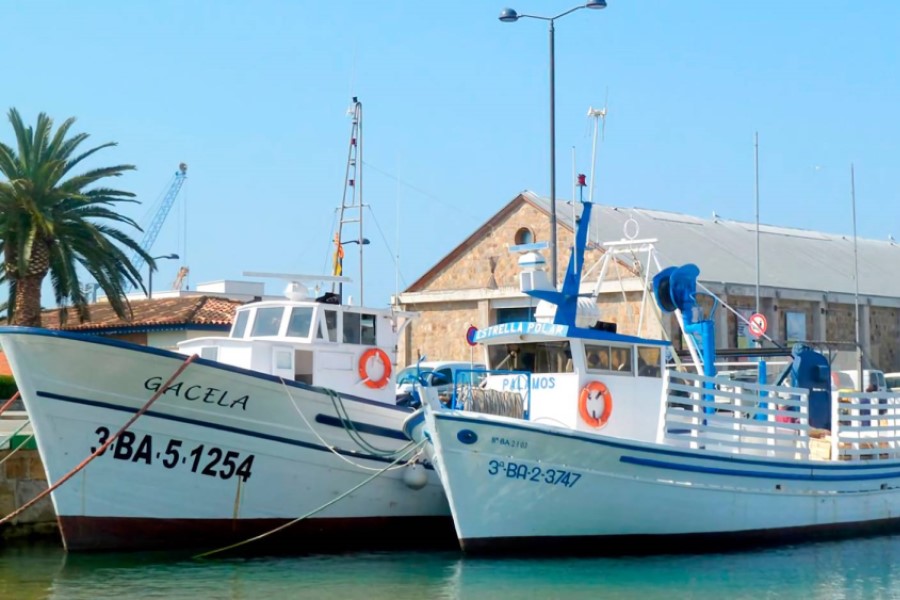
column 161, row 214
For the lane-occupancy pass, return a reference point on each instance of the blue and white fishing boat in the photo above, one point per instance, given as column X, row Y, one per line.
column 585, row 440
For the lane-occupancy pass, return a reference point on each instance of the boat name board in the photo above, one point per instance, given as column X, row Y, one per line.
column 533, row 473
column 192, row 393
column 519, row 383
column 204, row 460
column 521, row 327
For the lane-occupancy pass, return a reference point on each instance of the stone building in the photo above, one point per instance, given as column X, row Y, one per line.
column 807, row 286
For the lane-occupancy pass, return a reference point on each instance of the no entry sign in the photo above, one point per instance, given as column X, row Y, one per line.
column 758, row 324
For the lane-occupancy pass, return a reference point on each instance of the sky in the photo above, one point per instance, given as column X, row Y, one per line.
column 253, row 96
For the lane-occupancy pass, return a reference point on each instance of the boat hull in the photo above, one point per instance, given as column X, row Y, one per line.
column 223, row 454
column 519, row 487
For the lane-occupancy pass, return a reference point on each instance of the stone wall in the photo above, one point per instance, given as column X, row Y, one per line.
column 439, row 334
column 488, row 265
column 21, row 479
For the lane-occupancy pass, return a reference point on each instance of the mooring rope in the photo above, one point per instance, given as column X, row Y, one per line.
column 9, row 402
column 13, row 434
column 17, row 448
column 105, row 445
column 350, row 427
column 312, row 512
column 321, row 439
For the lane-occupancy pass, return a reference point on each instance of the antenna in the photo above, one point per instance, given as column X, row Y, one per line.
column 599, row 116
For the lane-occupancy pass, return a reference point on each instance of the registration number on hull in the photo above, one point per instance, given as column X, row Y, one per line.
column 202, row 459
column 533, row 473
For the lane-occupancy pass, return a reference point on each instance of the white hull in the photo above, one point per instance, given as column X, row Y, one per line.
column 222, row 454
column 514, row 486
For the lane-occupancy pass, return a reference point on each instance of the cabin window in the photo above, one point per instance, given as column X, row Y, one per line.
column 359, row 328
column 351, row 328
column 621, row 360
column 240, row 324
column 604, row 357
column 596, row 357
column 209, row 352
column 367, row 329
column 540, row 357
column 649, row 361
column 267, row 321
column 301, row 319
column 284, row 360
column 328, row 328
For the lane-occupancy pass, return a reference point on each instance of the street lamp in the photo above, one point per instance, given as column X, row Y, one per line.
column 508, row 15
column 152, row 267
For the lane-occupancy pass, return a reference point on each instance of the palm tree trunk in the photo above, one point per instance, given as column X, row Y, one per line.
column 28, row 301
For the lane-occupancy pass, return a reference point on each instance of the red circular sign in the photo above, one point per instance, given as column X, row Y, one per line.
column 758, row 324
column 470, row 334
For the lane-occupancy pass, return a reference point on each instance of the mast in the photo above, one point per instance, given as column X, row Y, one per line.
column 351, row 210
column 859, row 355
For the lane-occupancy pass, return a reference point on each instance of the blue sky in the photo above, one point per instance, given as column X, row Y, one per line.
column 253, row 97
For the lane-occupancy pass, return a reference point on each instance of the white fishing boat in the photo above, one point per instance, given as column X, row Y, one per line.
column 563, row 451
column 292, row 415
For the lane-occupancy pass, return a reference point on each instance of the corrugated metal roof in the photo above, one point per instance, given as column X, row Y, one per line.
column 725, row 250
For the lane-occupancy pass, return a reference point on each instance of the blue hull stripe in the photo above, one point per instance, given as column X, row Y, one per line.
column 362, row 427
column 623, row 445
column 228, row 428
column 660, row 464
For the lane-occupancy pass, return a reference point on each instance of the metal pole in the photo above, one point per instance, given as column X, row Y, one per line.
column 150, row 283
column 756, row 162
column 359, row 183
column 859, row 355
column 553, row 238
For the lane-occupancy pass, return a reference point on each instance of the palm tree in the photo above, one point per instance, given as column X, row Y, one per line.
column 51, row 221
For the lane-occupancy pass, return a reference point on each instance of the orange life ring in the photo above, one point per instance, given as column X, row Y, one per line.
column 595, row 387
column 364, row 368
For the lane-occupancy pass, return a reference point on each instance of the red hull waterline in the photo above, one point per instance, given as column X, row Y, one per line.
column 98, row 534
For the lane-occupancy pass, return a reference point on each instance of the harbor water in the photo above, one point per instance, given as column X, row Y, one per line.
column 865, row 569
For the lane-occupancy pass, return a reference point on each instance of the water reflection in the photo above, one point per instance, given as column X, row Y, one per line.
column 853, row 569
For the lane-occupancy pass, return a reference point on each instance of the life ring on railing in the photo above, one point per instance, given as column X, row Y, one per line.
column 593, row 391
column 364, row 368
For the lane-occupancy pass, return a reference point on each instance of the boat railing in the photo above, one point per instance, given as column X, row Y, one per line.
column 865, row 426
column 723, row 415
column 471, row 393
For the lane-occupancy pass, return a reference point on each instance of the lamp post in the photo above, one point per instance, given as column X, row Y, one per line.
column 508, row 15
column 153, row 268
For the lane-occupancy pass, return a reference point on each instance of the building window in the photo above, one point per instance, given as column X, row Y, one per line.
column 515, row 315
column 795, row 326
column 524, row 236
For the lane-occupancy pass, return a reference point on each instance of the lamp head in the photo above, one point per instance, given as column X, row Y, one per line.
column 508, row 15
column 595, row 4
